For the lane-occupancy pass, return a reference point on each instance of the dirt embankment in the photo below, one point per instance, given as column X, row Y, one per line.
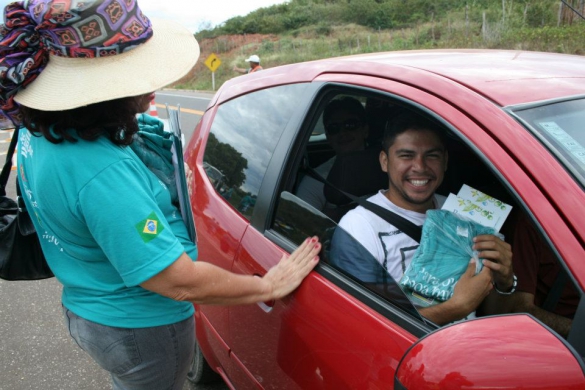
column 228, row 48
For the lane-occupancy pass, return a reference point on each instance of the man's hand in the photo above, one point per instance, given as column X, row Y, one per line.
column 239, row 70
column 468, row 293
column 497, row 256
column 471, row 289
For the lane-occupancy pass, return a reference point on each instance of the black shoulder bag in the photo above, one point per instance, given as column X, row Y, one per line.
column 21, row 257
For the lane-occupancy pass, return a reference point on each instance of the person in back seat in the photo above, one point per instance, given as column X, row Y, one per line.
column 346, row 130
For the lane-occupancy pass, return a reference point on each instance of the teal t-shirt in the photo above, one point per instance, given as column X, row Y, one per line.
column 106, row 224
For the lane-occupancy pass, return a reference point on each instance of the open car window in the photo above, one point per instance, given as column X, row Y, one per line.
column 298, row 215
column 295, row 220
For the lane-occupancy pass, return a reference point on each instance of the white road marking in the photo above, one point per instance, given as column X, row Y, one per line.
column 183, row 96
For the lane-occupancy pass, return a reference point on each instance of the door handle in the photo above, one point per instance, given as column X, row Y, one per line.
column 265, row 306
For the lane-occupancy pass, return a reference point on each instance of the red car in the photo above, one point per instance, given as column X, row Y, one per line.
column 515, row 122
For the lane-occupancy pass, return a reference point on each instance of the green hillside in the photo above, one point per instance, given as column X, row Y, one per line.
column 303, row 30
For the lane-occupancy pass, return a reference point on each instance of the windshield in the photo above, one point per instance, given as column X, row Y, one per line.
column 561, row 128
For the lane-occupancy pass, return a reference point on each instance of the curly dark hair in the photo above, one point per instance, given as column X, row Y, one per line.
column 410, row 121
column 114, row 118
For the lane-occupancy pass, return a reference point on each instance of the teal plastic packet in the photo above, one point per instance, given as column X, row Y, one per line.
column 442, row 257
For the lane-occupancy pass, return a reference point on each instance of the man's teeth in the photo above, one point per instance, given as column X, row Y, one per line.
column 418, row 183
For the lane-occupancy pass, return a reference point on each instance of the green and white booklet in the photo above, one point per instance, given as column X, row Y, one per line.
column 479, row 207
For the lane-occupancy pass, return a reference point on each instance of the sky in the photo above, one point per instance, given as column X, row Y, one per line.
column 195, row 14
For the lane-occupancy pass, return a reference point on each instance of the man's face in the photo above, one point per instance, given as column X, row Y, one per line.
column 416, row 164
column 346, row 132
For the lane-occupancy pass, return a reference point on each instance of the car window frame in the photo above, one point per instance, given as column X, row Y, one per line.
column 575, row 338
column 267, row 195
column 515, row 112
column 293, row 143
column 220, row 109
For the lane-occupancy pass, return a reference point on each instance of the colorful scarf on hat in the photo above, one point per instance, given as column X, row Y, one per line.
column 37, row 28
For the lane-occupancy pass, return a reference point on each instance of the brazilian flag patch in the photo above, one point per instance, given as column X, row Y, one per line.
column 149, row 228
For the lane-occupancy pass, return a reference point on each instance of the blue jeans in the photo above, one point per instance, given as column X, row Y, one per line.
column 137, row 359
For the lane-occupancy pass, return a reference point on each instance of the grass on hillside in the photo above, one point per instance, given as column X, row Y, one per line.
column 321, row 41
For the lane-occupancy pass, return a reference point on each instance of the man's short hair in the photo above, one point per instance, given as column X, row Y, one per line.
column 346, row 104
column 409, row 121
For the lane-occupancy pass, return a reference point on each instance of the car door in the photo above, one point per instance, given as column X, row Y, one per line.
column 242, row 134
column 331, row 333
column 219, row 231
column 335, row 332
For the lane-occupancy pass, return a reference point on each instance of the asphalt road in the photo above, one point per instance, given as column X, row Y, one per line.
column 192, row 105
column 36, row 351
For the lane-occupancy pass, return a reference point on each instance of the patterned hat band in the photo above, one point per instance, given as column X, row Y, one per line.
column 65, row 28
column 91, row 28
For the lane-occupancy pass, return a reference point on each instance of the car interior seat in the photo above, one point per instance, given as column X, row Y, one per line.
column 357, row 173
column 378, row 113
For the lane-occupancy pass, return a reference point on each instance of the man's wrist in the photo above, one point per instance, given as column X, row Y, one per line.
column 509, row 290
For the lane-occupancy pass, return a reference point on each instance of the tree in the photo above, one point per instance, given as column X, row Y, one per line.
column 227, row 159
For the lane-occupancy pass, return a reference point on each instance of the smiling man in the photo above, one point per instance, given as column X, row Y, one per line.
column 415, row 158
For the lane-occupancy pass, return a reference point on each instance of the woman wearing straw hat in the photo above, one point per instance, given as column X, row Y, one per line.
column 74, row 75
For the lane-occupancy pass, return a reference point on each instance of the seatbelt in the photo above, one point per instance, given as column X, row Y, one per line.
column 404, row 225
column 556, row 290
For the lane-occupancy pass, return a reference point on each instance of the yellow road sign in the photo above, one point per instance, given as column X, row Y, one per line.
column 212, row 62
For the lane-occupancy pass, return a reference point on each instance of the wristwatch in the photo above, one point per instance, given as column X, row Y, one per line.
column 514, row 284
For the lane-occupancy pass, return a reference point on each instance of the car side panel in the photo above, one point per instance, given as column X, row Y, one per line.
column 319, row 337
column 219, row 230
column 215, row 350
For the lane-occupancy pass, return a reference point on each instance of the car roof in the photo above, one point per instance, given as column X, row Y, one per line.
column 506, row 77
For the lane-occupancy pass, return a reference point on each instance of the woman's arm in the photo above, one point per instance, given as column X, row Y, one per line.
column 205, row 283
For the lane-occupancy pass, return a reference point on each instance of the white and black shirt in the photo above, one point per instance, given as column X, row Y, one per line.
column 392, row 248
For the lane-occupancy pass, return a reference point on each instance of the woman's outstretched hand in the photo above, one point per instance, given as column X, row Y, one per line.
column 287, row 275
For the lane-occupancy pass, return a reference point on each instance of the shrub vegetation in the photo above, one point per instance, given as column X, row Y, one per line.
column 302, row 30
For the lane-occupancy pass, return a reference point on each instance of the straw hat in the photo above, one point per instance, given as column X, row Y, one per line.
column 122, row 54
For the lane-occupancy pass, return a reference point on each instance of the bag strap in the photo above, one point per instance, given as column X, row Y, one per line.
column 403, row 224
column 8, row 164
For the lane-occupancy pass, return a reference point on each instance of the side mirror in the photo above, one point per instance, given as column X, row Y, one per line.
column 505, row 352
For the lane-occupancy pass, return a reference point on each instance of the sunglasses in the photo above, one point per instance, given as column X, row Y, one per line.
column 334, row 128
